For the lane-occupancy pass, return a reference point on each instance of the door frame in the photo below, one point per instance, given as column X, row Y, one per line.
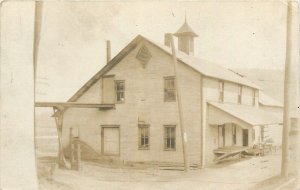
column 102, row 139
column 223, row 132
column 243, row 133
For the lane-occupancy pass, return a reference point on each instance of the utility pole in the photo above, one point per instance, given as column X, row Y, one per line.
column 17, row 160
column 37, row 32
column 182, row 128
column 291, row 96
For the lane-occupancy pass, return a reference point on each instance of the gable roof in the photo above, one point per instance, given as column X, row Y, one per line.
column 200, row 65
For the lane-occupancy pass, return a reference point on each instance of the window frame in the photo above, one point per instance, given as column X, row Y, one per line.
column 174, row 90
column 140, row 127
column 166, row 137
column 221, row 91
column 116, row 91
column 240, row 92
column 253, row 97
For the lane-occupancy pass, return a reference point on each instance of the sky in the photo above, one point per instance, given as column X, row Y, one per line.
column 234, row 34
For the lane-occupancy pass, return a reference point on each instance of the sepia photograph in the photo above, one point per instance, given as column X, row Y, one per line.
column 149, row 95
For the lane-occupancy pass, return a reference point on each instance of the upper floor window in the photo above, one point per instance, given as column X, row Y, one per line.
column 120, row 91
column 170, row 137
column 143, row 136
column 221, row 91
column 169, row 89
column 253, row 97
column 240, row 89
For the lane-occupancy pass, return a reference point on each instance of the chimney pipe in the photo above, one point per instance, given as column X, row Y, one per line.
column 168, row 39
column 108, row 51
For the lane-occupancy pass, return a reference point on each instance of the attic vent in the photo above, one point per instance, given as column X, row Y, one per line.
column 144, row 55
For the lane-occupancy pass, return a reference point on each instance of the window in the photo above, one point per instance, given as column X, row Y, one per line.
column 233, row 134
column 120, row 91
column 240, row 88
column 143, row 136
column 221, row 91
column 170, row 137
column 253, row 97
column 169, row 89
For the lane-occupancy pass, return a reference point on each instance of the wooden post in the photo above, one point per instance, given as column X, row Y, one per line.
column 37, row 32
column 78, row 156
column 177, row 86
column 290, row 82
column 17, row 150
column 71, row 144
column 59, row 124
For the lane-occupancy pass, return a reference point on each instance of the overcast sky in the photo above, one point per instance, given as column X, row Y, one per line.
column 235, row 34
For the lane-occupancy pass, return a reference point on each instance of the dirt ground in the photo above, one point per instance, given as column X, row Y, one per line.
column 232, row 175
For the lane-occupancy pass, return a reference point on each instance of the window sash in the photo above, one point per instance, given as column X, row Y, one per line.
column 221, row 91
column 253, row 97
column 144, row 137
column 169, row 89
column 170, row 138
column 120, row 91
column 240, row 90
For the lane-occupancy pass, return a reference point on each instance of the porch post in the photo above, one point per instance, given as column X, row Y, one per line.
column 17, row 150
column 58, row 114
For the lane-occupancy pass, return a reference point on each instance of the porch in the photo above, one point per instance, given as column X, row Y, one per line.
column 229, row 151
column 236, row 129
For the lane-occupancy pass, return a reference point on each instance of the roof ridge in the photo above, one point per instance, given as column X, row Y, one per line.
column 181, row 56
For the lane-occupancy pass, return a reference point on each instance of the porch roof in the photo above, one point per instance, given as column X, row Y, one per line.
column 250, row 115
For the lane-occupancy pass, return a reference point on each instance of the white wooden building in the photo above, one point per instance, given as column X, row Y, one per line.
column 139, row 120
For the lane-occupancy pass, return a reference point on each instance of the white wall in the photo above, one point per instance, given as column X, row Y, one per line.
column 211, row 92
column 144, row 98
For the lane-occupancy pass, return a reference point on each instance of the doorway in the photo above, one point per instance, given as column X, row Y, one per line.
column 221, row 136
column 110, row 142
column 245, row 137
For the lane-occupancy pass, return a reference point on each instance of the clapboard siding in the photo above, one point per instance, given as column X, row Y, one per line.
column 144, row 100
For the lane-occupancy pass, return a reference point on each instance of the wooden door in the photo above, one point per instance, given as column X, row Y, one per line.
column 245, row 137
column 111, row 141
